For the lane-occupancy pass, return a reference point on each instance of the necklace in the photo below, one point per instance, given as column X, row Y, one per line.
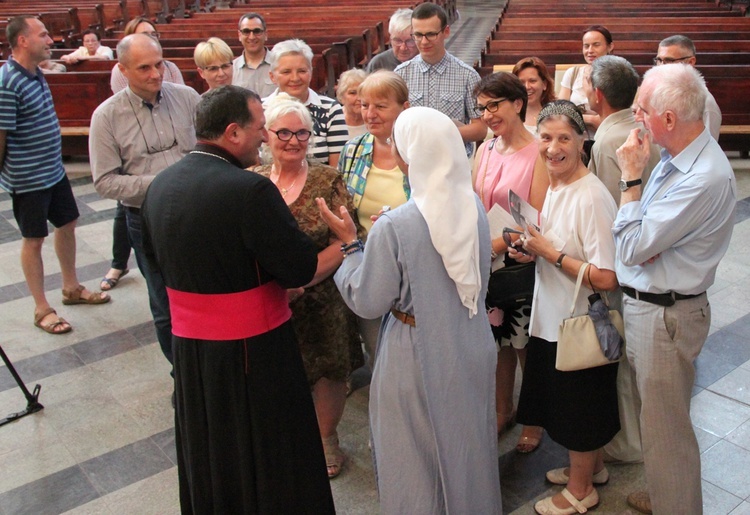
column 209, row 154
column 286, row 190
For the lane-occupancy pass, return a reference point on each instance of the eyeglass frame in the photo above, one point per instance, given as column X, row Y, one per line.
column 150, row 149
column 215, row 69
column 496, row 103
column 257, row 32
column 291, row 133
column 407, row 42
column 668, row 60
column 430, row 36
column 155, row 34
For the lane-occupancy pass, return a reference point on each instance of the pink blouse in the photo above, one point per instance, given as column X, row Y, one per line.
column 499, row 173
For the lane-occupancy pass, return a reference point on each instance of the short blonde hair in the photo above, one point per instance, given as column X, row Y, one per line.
column 349, row 79
column 385, row 84
column 215, row 49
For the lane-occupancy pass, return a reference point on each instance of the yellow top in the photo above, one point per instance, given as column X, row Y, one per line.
column 383, row 188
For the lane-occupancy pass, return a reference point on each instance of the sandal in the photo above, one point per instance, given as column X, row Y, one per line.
column 527, row 444
column 335, row 457
column 547, row 507
column 110, row 282
column 74, row 297
column 52, row 327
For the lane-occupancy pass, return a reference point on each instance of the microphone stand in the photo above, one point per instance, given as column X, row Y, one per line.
column 32, row 405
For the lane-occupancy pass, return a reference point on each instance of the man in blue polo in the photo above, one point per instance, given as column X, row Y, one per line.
column 32, row 171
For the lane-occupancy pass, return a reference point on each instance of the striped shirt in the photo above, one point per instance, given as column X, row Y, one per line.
column 329, row 126
column 33, row 146
column 447, row 86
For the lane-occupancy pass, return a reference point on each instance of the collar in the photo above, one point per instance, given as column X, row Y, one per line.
column 19, row 67
column 264, row 60
column 623, row 116
column 312, row 97
column 439, row 67
column 684, row 160
column 218, row 150
column 136, row 100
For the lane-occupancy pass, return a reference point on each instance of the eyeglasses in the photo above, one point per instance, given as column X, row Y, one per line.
column 214, row 69
column 286, row 135
column 401, row 42
column 254, row 32
column 153, row 34
column 490, row 107
column 153, row 149
column 430, row 36
column 669, row 60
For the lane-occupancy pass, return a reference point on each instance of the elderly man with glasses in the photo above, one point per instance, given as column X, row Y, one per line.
column 403, row 47
column 680, row 49
column 135, row 134
column 439, row 80
column 252, row 69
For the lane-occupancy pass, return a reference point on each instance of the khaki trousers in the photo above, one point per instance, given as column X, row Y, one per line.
column 662, row 344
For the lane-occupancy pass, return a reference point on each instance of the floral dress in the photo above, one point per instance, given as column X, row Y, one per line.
column 326, row 328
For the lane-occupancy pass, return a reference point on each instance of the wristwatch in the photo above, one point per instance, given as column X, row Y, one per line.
column 629, row 184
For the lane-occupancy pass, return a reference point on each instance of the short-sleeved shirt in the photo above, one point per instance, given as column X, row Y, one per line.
column 33, row 146
column 383, row 61
column 329, row 126
column 577, row 220
column 447, row 86
column 257, row 79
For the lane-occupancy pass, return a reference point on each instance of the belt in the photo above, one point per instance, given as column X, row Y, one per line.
column 134, row 210
column 660, row 299
column 404, row 317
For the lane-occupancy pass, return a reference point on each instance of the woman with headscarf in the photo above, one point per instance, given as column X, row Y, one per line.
column 425, row 267
column 578, row 409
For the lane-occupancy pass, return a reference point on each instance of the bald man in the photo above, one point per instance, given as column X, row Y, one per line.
column 135, row 134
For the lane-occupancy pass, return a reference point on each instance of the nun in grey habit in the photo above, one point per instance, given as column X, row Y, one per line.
column 425, row 267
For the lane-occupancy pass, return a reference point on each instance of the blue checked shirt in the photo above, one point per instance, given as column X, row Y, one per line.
column 447, row 86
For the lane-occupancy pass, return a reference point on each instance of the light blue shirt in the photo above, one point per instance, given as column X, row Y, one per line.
column 685, row 215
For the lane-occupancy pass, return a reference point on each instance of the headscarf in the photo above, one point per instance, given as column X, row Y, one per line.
column 440, row 178
column 562, row 108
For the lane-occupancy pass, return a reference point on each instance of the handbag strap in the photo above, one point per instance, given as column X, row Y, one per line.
column 581, row 272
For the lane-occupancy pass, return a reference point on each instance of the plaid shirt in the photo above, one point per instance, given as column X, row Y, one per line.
column 355, row 162
column 447, row 86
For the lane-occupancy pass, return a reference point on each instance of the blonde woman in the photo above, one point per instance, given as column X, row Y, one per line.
column 214, row 61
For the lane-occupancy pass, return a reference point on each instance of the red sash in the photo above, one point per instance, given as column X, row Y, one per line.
column 228, row 316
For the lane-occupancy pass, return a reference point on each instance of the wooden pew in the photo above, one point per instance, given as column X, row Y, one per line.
column 536, row 47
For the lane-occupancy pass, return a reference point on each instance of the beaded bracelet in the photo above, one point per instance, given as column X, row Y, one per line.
column 351, row 248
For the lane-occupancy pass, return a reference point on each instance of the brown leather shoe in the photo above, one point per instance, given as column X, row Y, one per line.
column 640, row 501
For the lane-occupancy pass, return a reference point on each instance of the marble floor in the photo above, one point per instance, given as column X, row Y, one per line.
column 104, row 444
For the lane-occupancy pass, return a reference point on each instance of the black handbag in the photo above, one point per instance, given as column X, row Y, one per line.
column 512, row 286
